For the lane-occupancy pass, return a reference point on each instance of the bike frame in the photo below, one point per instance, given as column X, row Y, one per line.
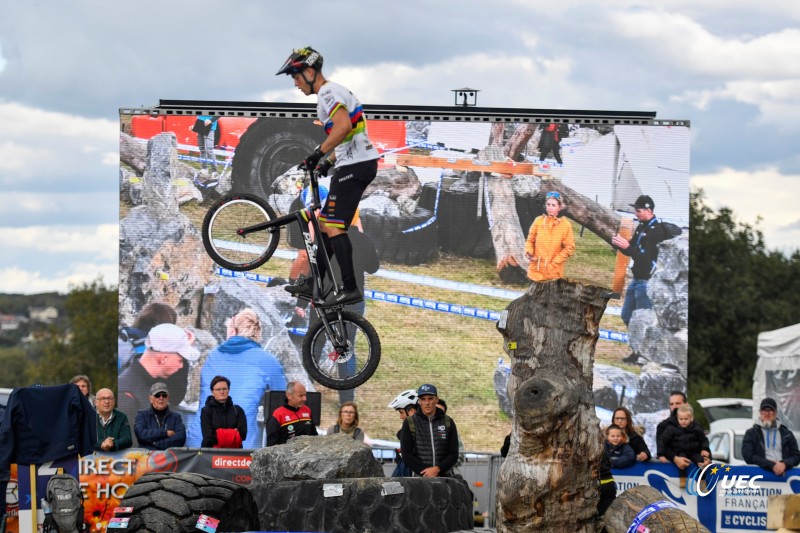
column 303, row 217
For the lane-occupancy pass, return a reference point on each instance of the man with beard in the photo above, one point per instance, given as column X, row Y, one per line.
column 769, row 444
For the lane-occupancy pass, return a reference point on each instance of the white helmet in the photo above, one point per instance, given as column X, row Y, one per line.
column 404, row 399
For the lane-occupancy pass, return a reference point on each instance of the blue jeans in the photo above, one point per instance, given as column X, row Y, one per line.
column 635, row 298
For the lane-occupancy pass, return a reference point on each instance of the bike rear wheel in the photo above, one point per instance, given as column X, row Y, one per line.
column 222, row 236
column 355, row 361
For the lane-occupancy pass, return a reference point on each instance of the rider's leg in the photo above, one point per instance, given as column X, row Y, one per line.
column 343, row 250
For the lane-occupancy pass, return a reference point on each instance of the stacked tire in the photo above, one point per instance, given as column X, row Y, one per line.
column 268, row 149
column 173, row 502
column 393, row 245
column 460, row 230
column 343, row 505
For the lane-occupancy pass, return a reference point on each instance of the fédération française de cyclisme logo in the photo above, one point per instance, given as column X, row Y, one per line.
column 701, row 482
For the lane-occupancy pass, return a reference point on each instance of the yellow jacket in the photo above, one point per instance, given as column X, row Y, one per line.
column 550, row 242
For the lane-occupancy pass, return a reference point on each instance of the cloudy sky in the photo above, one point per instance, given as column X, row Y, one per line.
column 732, row 68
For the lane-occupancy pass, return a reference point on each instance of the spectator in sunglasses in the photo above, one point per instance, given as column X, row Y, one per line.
column 158, row 428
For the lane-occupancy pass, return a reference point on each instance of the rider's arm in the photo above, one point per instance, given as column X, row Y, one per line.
column 341, row 128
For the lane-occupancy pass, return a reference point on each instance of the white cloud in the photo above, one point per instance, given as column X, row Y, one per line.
column 16, row 280
column 2, row 60
column 48, row 147
column 99, row 242
column 766, row 198
column 544, row 79
column 762, row 71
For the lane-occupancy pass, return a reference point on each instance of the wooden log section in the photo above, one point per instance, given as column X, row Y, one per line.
column 509, row 168
column 622, row 512
column 549, row 481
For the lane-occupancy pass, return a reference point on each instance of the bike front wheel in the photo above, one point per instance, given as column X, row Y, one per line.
column 347, row 361
column 225, row 234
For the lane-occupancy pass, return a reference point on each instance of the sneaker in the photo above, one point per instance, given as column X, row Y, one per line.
column 343, row 297
column 303, row 288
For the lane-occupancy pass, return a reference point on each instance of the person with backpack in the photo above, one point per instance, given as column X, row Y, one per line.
column 348, row 422
column 429, row 438
column 405, row 404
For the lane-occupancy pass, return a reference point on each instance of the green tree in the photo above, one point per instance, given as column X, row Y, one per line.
column 15, row 365
column 88, row 345
column 736, row 289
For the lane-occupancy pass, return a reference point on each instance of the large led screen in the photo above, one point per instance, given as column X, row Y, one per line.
column 453, row 228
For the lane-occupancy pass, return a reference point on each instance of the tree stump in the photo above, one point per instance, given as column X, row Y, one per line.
column 626, row 507
column 549, row 481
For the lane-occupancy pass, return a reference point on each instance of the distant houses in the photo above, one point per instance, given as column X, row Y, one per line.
column 48, row 315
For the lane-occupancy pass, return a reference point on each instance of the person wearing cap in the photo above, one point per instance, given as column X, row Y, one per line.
column 769, row 444
column 642, row 248
column 550, row 241
column 158, row 428
column 429, row 438
column 168, row 352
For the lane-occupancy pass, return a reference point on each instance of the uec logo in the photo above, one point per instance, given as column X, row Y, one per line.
column 700, row 484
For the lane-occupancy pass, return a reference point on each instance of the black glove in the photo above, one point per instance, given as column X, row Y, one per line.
column 312, row 159
column 324, row 166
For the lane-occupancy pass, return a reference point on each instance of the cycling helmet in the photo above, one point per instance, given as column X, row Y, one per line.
column 300, row 60
column 404, row 399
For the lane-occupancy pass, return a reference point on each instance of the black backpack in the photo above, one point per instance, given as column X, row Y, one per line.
column 66, row 505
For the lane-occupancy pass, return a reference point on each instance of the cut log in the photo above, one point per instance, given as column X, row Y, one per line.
column 549, row 480
column 783, row 511
column 629, row 504
column 508, row 168
column 601, row 221
column 133, row 152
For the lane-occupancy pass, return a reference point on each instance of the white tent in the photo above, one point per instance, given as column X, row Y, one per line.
column 634, row 160
column 777, row 373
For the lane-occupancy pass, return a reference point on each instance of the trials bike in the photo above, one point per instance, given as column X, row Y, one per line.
column 241, row 232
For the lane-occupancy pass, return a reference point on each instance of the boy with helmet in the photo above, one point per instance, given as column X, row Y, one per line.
column 406, row 405
column 355, row 162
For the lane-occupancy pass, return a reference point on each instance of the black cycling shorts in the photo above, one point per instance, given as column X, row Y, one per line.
column 347, row 185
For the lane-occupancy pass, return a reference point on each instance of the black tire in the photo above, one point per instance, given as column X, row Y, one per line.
column 461, row 232
column 221, row 236
column 364, row 349
column 394, row 246
column 268, row 149
column 426, row 504
column 172, row 502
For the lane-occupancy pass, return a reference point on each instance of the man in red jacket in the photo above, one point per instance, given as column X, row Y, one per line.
column 291, row 419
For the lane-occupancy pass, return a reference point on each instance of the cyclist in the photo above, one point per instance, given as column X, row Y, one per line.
column 355, row 162
column 406, row 405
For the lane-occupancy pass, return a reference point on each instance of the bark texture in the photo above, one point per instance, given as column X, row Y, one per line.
column 549, row 480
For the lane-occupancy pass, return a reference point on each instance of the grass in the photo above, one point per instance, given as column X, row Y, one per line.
column 457, row 354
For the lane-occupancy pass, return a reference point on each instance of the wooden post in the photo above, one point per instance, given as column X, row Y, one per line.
column 624, row 510
column 549, row 481
column 626, row 228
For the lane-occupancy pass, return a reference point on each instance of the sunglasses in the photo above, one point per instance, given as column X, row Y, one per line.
column 553, row 194
column 161, row 395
